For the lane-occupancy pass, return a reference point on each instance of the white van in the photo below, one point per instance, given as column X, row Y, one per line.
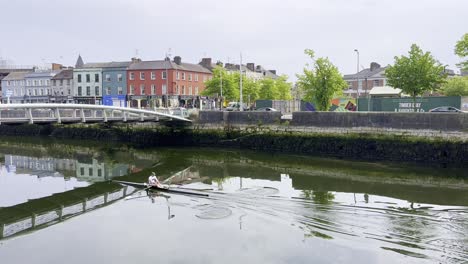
column 234, row 106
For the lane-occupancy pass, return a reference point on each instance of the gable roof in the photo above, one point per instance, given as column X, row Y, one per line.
column 64, row 74
column 40, row 74
column 162, row 64
column 367, row 73
column 15, row 76
column 112, row 64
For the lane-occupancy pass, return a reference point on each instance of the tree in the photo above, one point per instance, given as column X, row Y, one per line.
column 250, row 90
column 267, row 89
column 321, row 83
column 229, row 85
column 461, row 49
column 457, row 86
column 416, row 74
column 283, row 88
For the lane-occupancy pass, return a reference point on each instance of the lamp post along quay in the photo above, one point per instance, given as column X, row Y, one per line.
column 357, row 79
column 241, row 107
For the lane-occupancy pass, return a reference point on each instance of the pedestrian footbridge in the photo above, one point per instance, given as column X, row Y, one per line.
column 80, row 113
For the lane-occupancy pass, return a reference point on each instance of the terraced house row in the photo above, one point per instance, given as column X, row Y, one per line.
column 134, row 83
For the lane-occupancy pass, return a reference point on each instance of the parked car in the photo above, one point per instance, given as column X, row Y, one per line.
column 234, row 106
column 266, row 109
column 446, row 109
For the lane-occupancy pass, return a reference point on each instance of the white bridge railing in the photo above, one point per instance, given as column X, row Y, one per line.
column 79, row 113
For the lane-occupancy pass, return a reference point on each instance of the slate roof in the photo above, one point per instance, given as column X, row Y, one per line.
column 367, row 73
column 15, row 76
column 40, row 74
column 161, row 65
column 112, row 64
column 64, row 74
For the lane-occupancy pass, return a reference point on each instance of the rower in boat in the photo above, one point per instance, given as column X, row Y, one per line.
column 153, row 180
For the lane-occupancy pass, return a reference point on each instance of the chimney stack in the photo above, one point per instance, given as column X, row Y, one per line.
column 178, row 60
column 135, row 60
column 206, row 62
column 273, row 71
column 374, row 66
column 251, row 66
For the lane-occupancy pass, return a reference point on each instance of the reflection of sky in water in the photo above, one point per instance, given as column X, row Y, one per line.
column 18, row 188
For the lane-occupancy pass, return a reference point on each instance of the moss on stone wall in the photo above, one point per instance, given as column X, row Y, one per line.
column 355, row 146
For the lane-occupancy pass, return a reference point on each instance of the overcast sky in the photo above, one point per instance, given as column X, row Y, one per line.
column 273, row 33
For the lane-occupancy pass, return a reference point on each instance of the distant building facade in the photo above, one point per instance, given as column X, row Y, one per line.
column 13, row 85
column 38, row 86
column 114, row 83
column 62, row 87
column 165, row 83
column 360, row 84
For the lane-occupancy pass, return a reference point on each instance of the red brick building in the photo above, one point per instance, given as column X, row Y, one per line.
column 165, row 83
column 361, row 83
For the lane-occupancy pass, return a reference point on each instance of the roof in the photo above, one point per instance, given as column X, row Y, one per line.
column 15, row 76
column 40, row 74
column 367, row 73
column 79, row 62
column 384, row 90
column 112, row 64
column 162, row 64
column 64, row 74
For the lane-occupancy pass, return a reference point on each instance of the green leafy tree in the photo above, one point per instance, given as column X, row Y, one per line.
column 230, row 84
column 461, row 49
column 415, row 74
column 267, row 89
column 283, row 88
column 250, row 90
column 457, row 86
column 321, row 83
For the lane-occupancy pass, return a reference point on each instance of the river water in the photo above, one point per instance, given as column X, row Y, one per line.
column 58, row 205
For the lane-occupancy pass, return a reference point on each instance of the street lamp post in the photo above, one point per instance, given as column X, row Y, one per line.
column 241, row 107
column 222, row 100
column 357, row 78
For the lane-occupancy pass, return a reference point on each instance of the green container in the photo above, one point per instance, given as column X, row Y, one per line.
column 406, row 104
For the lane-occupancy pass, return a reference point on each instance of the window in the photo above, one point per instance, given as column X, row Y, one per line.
column 80, row 91
column 153, row 89
column 196, row 90
column 153, row 76
column 183, row 76
column 28, row 83
column 190, row 77
column 47, row 82
column 376, row 82
column 35, row 82
column 164, row 89
column 40, row 82
column 88, row 90
column 119, row 77
column 108, row 78
column 61, row 82
column 132, row 89
column 108, row 90
column 90, row 170
column 41, row 91
column 119, row 90
column 196, row 77
column 132, row 76
column 177, row 75
column 360, row 84
column 204, row 78
column 99, row 172
column 88, row 78
column 68, row 82
column 79, row 78
column 190, row 90
column 177, row 89
column 183, row 89
column 82, row 171
column 164, row 74
column 142, row 89
column 142, row 76
column 96, row 90
column 35, row 92
column 30, row 91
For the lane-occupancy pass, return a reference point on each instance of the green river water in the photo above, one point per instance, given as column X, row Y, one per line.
column 58, row 204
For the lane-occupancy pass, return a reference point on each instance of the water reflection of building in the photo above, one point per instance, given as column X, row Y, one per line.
column 99, row 171
column 38, row 166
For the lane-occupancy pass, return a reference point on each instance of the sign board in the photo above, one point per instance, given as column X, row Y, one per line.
column 464, row 103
